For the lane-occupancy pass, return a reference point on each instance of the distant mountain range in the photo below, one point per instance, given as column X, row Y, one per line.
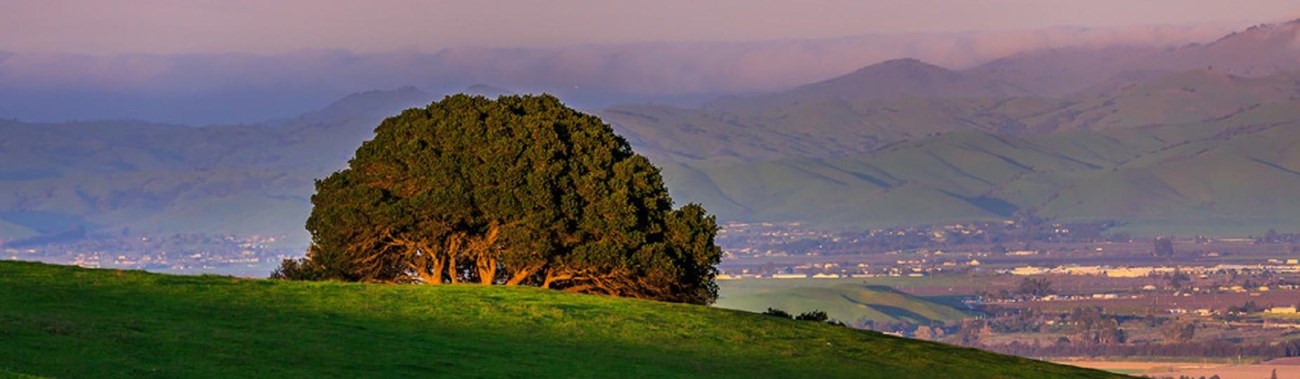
column 226, row 88
column 1258, row 51
column 127, row 178
column 1197, row 139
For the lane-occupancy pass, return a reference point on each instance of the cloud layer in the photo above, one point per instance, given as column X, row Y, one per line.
column 272, row 27
column 240, row 87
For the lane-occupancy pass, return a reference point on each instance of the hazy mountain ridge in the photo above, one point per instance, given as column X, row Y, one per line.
column 1161, row 180
column 875, row 106
column 900, row 142
column 1260, row 50
column 905, row 99
column 215, row 88
column 916, row 143
column 907, row 77
column 127, row 178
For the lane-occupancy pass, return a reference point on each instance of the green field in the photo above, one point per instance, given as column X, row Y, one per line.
column 852, row 301
column 69, row 322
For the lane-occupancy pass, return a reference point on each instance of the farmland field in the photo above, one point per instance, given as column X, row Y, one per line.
column 1286, row 368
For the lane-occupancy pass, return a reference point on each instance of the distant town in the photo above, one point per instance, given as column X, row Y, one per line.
column 795, row 250
column 1029, row 282
column 227, row 254
column 790, row 250
column 1050, row 290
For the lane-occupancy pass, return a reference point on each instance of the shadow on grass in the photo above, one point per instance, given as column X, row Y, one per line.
column 901, row 314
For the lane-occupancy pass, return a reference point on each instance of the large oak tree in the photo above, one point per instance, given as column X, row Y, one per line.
column 517, row 191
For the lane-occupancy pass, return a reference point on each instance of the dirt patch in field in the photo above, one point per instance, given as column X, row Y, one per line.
column 1261, row 371
column 1286, row 368
column 1284, row 361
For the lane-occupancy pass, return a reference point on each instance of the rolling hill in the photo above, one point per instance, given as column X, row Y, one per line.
column 70, row 322
column 1173, row 179
column 1261, row 50
column 1178, row 98
column 895, row 143
column 906, row 77
column 1180, row 141
column 875, row 106
column 906, row 99
column 853, row 304
column 137, row 178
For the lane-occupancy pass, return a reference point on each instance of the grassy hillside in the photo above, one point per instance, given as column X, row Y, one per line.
column 115, row 177
column 848, row 302
column 905, row 143
column 70, row 322
column 1180, row 98
column 898, row 143
column 1229, row 176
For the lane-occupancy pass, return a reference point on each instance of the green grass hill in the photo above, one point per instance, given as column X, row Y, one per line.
column 69, row 322
column 848, row 302
column 1202, row 178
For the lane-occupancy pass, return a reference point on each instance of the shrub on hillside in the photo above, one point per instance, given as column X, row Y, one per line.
column 815, row 316
column 777, row 313
column 295, row 269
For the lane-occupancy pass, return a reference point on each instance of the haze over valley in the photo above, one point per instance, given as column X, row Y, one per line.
column 895, row 143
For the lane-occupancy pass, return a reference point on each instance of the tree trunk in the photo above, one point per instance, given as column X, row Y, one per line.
column 454, row 275
column 487, row 270
column 552, row 277
column 520, row 276
column 436, row 270
column 482, row 249
column 454, row 244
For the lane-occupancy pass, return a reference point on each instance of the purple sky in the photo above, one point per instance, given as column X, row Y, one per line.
column 226, row 61
column 259, row 26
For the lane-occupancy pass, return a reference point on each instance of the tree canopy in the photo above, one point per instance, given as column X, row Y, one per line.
column 521, row 190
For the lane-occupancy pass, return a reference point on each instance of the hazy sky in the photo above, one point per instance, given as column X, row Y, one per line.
column 263, row 26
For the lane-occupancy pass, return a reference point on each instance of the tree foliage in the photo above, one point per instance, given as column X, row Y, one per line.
column 1180, row 331
column 1164, row 247
column 1035, row 287
column 516, row 191
column 774, row 312
column 814, row 315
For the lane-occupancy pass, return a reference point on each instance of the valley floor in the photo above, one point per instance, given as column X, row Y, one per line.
column 1285, row 368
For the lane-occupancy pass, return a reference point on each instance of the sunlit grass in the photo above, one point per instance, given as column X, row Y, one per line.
column 69, row 322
